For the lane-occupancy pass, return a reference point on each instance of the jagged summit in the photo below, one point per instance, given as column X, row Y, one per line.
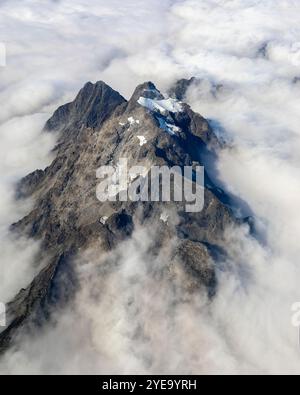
column 92, row 106
column 97, row 129
column 148, row 90
column 180, row 88
column 95, row 103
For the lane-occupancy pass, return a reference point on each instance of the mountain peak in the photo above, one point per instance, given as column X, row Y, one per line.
column 90, row 87
column 147, row 90
column 68, row 218
column 91, row 107
column 179, row 89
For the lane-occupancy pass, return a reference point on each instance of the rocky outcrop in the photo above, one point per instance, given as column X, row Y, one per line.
column 92, row 106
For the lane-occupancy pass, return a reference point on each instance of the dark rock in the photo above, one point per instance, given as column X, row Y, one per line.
column 29, row 184
column 92, row 106
column 198, row 264
column 180, row 88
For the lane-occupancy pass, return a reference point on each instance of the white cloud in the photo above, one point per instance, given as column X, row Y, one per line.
column 247, row 53
column 23, row 149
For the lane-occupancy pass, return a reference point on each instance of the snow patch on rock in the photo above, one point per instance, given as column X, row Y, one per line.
column 173, row 130
column 162, row 106
column 133, row 121
column 103, row 220
column 143, row 140
column 164, row 217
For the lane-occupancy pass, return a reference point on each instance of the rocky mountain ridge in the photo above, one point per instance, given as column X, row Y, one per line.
column 97, row 129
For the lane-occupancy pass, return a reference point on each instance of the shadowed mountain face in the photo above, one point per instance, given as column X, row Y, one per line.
column 95, row 130
column 92, row 106
column 181, row 87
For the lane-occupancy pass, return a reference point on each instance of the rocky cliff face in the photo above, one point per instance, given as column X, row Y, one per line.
column 97, row 129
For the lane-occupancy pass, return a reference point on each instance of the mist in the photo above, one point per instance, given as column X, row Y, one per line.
column 247, row 55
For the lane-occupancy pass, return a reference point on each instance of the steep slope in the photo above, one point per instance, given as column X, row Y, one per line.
column 95, row 130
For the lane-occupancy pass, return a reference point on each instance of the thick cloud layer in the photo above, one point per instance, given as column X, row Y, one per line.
column 22, row 150
column 247, row 53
